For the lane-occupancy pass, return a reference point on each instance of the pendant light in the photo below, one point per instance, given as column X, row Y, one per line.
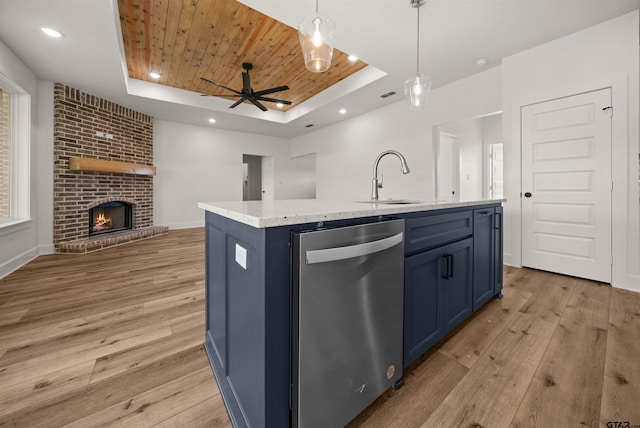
column 317, row 34
column 418, row 86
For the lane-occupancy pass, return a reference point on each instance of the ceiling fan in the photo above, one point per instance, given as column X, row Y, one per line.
column 247, row 93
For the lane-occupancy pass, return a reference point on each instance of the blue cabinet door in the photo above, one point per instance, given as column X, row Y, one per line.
column 423, row 303
column 457, row 283
column 484, row 256
column 438, row 295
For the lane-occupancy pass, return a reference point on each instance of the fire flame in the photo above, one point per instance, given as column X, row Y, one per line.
column 101, row 219
column 102, row 222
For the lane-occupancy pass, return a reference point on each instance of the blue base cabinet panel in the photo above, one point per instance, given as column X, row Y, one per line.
column 483, row 255
column 438, row 287
column 498, row 258
column 453, row 266
column 422, row 305
column 248, row 320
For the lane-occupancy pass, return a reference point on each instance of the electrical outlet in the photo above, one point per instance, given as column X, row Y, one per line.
column 99, row 133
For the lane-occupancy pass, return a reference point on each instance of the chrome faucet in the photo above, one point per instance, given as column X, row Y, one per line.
column 378, row 184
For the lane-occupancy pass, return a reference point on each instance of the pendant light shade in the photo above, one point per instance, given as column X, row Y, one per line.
column 417, row 87
column 317, row 35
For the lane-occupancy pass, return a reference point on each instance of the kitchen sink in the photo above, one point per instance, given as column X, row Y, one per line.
column 392, row 201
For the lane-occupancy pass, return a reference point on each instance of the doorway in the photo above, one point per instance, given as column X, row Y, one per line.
column 566, row 185
column 447, row 166
column 496, row 180
column 251, row 178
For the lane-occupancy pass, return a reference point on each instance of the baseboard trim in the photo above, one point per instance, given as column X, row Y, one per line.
column 46, row 249
column 188, row 225
column 632, row 284
column 507, row 260
column 18, row 261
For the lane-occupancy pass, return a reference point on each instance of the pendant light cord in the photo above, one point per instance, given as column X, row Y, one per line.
column 316, row 7
column 417, row 41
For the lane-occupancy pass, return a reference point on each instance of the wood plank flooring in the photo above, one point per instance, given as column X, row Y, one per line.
column 114, row 338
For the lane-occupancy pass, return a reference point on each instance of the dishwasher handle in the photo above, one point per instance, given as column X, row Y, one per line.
column 348, row 252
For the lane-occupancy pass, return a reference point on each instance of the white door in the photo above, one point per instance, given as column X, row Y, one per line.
column 566, row 185
column 447, row 167
column 268, row 178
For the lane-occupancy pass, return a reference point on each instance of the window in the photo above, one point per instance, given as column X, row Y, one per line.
column 15, row 123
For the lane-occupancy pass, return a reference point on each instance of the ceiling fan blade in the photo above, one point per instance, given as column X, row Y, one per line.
column 221, row 95
column 246, row 83
column 257, row 104
column 219, row 85
column 237, row 103
column 270, row 91
column 273, row 100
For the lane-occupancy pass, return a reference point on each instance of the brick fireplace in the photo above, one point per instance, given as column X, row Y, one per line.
column 90, row 128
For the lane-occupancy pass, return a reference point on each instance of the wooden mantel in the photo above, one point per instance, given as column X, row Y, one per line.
column 89, row 164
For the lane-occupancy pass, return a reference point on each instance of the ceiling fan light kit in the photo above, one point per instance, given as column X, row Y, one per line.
column 418, row 86
column 317, row 36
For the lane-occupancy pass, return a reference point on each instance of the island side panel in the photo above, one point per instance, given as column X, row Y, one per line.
column 278, row 310
column 216, row 293
column 248, row 347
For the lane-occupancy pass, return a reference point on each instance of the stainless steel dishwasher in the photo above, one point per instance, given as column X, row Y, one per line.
column 348, row 316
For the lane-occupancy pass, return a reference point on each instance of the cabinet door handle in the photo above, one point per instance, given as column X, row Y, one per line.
column 485, row 212
column 450, row 265
column 444, row 266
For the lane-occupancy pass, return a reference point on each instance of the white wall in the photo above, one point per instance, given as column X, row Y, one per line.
column 300, row 177
column 203, row 164
column 346, row 151
column 23, row 242
column 492, row 128
column 606, row 55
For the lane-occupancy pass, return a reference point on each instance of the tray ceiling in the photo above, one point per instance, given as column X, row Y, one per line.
column 184, row 40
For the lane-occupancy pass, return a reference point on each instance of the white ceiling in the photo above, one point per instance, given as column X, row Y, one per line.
column 454, row 34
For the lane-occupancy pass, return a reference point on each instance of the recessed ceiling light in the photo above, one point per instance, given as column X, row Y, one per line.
column 279, row 105
column 212, row 120
column 51, row 32
column 154, row 75
column 343, row 110
column 353, row 58
column 482, row 62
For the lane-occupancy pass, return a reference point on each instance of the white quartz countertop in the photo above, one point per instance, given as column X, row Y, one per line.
column 262, row 214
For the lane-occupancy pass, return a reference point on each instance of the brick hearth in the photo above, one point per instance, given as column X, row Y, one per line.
column 95, row 243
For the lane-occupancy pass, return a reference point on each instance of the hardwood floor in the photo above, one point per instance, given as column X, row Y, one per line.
column 114, row 338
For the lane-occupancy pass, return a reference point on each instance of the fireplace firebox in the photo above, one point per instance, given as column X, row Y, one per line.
column 110, row 217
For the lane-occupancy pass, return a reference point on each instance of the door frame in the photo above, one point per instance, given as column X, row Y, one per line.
column 455, row 160
column 486, row 167
column 619, row 158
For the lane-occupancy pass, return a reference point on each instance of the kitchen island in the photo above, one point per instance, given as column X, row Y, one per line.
column 452, row 266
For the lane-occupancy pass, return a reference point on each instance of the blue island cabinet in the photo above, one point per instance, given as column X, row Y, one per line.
column 453, row 265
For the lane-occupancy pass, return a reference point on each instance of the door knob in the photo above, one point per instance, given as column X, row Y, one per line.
column 527, row 195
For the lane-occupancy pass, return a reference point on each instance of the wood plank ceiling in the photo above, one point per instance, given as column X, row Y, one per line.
column 184, row 40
